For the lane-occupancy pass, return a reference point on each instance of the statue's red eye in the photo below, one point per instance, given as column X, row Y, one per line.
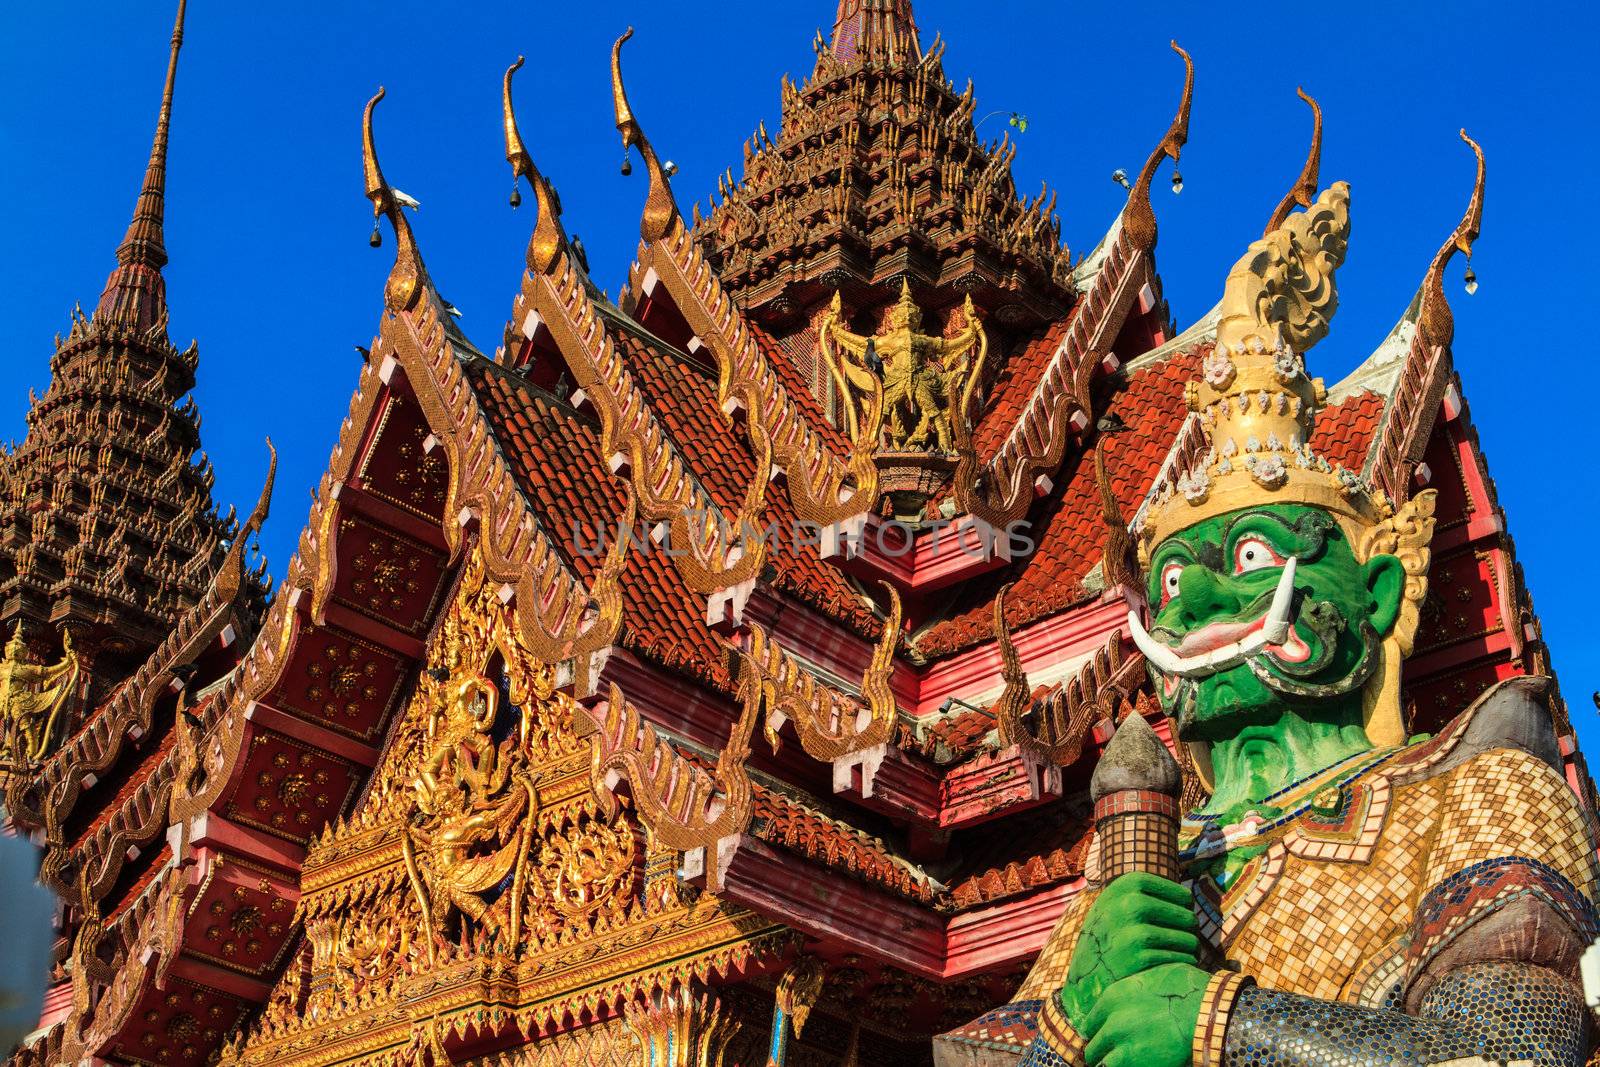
column 1254, row 554
column 1169, row 581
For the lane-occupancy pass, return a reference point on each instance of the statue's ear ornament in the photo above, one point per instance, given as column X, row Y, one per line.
column 1406, row 535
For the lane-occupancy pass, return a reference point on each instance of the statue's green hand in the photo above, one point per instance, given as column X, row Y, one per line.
column 1147, row 1020
column 1139, row 922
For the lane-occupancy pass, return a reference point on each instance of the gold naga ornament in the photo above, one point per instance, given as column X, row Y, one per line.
column 916, row 384
column 1258, row 408
column 32, row 698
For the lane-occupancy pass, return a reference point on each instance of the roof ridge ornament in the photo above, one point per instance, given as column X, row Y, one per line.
column 549, row 240
column 1139, row 217
column 660, row 209
column 1304, row 190
column 230, row 575
column 409, row 275
column 1437, row 321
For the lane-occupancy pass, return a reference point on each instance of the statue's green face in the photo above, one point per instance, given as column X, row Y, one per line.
column 1211, row 584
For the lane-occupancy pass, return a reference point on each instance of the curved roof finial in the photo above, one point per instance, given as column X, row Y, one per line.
column 516, row 151
column 405, row 279
column 1140, row 218
column 1304, row 190
column 660, row 210
column 1437, row 322
column 549, row 241
column 230, row 574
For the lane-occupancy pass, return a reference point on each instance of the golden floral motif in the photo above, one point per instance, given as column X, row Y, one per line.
column 420, row 472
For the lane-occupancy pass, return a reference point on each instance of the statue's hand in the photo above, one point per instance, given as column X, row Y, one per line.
column 1139, row 922
column 1146, row 1020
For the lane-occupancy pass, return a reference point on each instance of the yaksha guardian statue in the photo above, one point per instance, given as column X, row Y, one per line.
column 1349, row 899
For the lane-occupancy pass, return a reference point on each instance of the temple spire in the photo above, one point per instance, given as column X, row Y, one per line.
column 134, row 291
column 872, row 27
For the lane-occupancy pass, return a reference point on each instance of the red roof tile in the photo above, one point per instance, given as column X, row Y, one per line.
column 684, row 398
column 1043, row 847
column 556, row 457
column 797, row 827
column 1015, row 383
column 1068, row 527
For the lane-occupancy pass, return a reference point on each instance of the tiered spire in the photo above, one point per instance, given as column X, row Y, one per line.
column 879, row 175
column 107, row 528
column 874, row 27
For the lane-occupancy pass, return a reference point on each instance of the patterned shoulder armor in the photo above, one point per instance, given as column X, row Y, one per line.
column 1514, row 714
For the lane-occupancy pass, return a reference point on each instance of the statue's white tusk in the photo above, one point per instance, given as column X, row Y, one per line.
column 1277, row 625
column 1274, row 629
column 1166, row 660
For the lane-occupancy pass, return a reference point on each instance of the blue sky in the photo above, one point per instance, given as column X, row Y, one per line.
column 267, row 227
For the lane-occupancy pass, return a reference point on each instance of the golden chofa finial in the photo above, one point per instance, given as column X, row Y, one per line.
column 1304, row 190
column 516, row 151
column 1140, row 218
column 660, row 210
column 1437, row 323
column 400, row 293
column 544, row 250
column 231, row 574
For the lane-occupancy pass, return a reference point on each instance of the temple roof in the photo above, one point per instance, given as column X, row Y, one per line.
column 792, row 722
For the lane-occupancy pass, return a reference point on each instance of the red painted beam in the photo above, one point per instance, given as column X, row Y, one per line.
column 1040, row 646
column 250, row 990
column 824, row 904
column 849, row 917
column 212, row 831
column 1007, row 932
column 994, row 785
column 917, row 561
column 379, row 633
column 894, row 783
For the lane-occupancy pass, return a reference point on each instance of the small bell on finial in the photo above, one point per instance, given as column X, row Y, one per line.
column 1177, row 182
column 1470, row 280
column 516, row 193
column 376, row 240
column 1120, row 176
column 627, row 163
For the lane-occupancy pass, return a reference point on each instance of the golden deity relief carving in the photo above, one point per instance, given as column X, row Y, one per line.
column 475, row 800
column 483, row 850
column 32, row 698
column 916, row 384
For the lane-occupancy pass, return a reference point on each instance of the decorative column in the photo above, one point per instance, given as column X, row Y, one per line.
column 1135, row 790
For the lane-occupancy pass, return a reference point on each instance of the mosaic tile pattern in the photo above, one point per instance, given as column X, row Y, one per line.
column 1498, row 1012
column 1011, row 1026
column 1506, row 803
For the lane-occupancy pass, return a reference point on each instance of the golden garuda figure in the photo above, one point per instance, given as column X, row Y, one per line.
column 32, row 698
column 474, row 806
column 922, row 378
column 1347, row 896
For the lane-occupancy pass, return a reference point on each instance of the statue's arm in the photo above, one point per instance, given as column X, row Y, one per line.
column 1497, row 1012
